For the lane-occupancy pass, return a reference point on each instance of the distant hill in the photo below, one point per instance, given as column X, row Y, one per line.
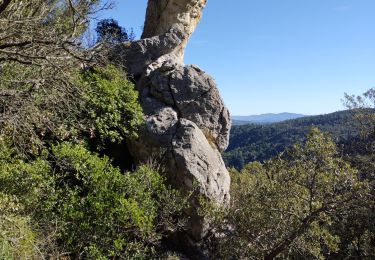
column 264, row 118
column 255, row 142
column 240, row 122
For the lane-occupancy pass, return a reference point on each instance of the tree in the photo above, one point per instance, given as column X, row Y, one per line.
column 51, row 87
column 45, row 33
column 285, row 207
column 40, row 54
column 357, row 230
column 361, row 151
column 109, row 31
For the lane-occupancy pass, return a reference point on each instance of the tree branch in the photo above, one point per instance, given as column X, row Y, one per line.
column 4, row 5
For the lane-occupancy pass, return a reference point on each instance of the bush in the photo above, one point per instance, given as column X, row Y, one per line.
column 109, row 213
column 17, row 239
column 25, row 192
column 74, row 201
column 113, row 103
column 100, row 103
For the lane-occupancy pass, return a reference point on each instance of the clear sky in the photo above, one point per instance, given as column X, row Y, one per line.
column 271, row 56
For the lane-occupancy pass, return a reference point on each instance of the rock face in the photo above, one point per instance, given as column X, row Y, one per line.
column 163, row 14
column 187, row 123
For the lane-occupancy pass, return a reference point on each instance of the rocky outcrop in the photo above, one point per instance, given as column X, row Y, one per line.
column 187, row 124
column 163, row 14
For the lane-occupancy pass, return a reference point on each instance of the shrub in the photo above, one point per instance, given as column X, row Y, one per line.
column 107, row 212
column 112, row 103
column 72, row 200
column 17, row 239
column 26, row 188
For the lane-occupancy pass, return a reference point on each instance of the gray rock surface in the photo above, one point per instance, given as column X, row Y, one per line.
column 187, row 124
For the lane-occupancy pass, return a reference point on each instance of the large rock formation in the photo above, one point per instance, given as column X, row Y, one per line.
column 187, row 123
column 163, row 14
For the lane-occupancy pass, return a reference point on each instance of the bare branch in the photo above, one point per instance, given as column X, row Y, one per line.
column 4, row 5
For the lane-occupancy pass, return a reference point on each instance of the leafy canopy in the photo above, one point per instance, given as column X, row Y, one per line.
column 109, row 31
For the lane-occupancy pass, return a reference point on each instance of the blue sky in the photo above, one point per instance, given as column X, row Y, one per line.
column 279, row 55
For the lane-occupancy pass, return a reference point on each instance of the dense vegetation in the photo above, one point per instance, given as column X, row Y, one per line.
column 253, row 142
column 71, row 200
column 65, row 195
column 315, row 200
column 294, row 205
column 61, row 106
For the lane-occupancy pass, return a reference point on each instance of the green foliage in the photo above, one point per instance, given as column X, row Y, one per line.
column 361, row 151
column 40, row 53
column 114, row 214
column 75, row 201
column 60, row 200
column 32, row 181
column 113, row 103
column 25, row 191
column 286, row 207
column 357, row 230
column 109, row 31
column 102, row 104
column 17, row 239
column 251, row 142
column 57, row 197
column 363, row 108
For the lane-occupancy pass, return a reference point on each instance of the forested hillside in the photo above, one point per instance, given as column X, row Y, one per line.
column 254, row 142
column 315, row 197
column 265, row 118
